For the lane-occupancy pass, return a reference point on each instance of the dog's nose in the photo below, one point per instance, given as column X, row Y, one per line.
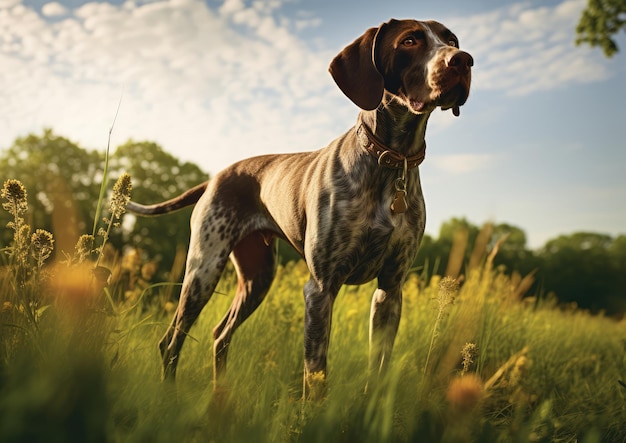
column 461, row 59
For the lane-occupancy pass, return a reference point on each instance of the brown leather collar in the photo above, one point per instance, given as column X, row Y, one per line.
column 384, row 156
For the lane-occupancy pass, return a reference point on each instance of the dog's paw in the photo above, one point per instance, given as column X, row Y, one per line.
column 315, row 386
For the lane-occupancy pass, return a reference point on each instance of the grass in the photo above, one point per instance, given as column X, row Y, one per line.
column 75, row 366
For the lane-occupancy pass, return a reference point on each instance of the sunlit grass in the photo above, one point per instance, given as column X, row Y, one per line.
column 87, row 368
column 543, row 374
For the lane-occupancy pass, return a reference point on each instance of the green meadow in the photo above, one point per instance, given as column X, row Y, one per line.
column 474, row 361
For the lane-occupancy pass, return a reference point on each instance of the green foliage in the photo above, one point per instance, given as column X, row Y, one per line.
column 512, row 253
column 52, row 376
column 157, row 176
column 57, row 396
column 587, row 268
column 599, row 22
column 71, row 371
column 541, row 374
column 24, row 278
column 63, row 180
column 88, row 374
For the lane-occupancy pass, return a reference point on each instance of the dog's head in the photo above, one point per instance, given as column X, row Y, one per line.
column 419, row 63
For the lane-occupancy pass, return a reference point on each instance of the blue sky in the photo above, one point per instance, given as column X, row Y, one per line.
column 540, row 143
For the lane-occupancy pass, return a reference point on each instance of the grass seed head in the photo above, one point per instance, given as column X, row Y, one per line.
column 15, row 193
column 469, row 354
column 84, row 247
column 23, row 232
column 42, row 243
column 448, row 288
column 121, row 196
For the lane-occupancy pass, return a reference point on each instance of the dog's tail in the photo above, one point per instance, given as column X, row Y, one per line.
column 187, row 198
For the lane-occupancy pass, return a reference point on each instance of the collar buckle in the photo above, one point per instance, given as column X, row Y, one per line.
column 387, row 158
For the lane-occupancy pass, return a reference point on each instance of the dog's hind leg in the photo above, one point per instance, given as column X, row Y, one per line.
column 194, row 296
column 203, row 271
column 254, row 258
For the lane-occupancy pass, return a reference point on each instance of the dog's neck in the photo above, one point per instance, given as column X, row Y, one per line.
column 397, row 127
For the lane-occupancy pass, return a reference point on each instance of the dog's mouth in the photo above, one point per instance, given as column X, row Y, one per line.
column 454, row 98
column 446, row 98
column 417, row 106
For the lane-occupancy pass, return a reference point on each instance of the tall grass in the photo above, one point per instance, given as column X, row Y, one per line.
column 538, row 372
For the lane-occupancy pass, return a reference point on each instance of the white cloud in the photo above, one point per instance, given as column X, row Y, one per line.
column 523, row 49
column 457, row 164
column 54, row 9
column 213, row 86
column 230, row 7
column 217, row 85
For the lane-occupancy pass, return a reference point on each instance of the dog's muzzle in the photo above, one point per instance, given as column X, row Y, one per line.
column 459, row 77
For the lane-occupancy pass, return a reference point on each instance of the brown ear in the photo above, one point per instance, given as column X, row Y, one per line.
column 354, row 71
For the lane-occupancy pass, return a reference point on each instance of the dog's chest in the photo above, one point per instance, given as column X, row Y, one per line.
column 381, row 245
column 369, row 237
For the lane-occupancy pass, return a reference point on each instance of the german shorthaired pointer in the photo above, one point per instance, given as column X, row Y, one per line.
column 354, row 210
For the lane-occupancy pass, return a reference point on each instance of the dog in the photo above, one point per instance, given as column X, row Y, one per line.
column 353, row 210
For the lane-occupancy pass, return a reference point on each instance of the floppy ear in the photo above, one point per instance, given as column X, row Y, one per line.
column 355, row 72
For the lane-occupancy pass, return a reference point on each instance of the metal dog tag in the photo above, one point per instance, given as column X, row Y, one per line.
column 399, row 204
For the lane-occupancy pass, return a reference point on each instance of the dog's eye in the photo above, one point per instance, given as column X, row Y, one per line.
column 414, row 38
column 453, row 43
column 409, row 41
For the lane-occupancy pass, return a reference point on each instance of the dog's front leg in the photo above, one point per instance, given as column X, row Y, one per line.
column 384, row 321
column 317, row 322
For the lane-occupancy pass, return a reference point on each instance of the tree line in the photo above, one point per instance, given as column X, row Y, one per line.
column 584, row 268
column 63, row 181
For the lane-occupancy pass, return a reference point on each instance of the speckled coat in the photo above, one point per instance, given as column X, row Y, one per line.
column 334, row 205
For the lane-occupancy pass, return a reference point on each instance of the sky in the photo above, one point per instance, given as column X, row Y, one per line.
column 540, row 143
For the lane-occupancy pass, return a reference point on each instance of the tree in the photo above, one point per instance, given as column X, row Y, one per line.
column 617, row 297
column 62, row 181
column 618, row 254
column 463, row 246
column 579, row 268
column 156, row 176
column 512, row 252
column 436, row 254
column 599, row 22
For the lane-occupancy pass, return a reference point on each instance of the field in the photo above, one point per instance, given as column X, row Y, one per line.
column 474, row 361
column 539, row 373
